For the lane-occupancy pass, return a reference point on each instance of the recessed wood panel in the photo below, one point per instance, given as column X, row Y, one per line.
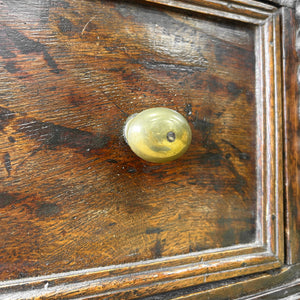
column 73, row 195
column 76, row 202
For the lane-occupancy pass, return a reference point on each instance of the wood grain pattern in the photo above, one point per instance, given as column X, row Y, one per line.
column 74, row 186
column 75, row 197
column 142, row 284
column 297, row 148
column 291, row 140
column 279, row 285
column 250, row 12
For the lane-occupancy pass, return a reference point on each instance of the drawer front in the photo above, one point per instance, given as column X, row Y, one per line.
column 75, row 198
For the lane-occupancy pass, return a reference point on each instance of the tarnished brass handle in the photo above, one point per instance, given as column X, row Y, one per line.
column 158, row 134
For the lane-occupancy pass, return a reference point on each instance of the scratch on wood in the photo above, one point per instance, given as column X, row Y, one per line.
column 85, row 26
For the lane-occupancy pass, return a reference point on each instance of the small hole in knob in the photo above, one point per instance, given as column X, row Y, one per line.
column 171, row 136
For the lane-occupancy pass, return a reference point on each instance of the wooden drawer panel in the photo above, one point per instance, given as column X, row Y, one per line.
column 72, row 194
column 74, row 186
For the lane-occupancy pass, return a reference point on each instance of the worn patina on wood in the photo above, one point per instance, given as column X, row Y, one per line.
column 71, row 182
column 73, row 196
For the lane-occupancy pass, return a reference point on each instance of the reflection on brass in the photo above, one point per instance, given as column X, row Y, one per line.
column 158, row 134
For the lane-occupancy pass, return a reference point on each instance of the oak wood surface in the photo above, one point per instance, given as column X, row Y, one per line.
column 79, row 209
column 291, row 139
column 73, row 193
column 282, row 284
column 297, row 148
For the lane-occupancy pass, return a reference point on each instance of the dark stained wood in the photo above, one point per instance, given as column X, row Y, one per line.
column 297, row 150
column 291, row 139
column 135, row 285
column 271, row 180
column 80, row 214
column 279, row 285
column 74, row 185
column 289, row 291
column 253, row 12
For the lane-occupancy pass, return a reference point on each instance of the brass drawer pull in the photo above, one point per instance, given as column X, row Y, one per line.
column 158, row 134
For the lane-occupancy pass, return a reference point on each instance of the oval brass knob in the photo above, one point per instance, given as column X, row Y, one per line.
column 158, row 134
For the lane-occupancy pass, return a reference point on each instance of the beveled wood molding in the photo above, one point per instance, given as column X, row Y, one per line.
column 140, row 279
column 249, row 11
column 290, row 37
column 283, row 284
